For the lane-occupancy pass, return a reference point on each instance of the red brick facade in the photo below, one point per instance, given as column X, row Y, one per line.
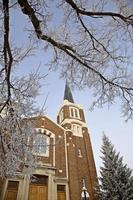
column 70, row 158
column 73, row 154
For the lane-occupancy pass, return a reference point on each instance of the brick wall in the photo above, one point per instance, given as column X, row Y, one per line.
column 79, row 166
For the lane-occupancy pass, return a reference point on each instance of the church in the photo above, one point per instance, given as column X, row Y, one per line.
column 65, row 167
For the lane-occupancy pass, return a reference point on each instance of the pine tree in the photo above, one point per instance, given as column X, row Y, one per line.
column 116, row 181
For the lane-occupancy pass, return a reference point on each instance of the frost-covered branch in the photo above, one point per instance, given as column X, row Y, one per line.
column 15, row 154
column 17, row 101
column 83, row 11
column 97, row 54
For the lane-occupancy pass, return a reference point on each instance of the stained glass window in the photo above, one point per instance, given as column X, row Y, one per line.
column 41, row 145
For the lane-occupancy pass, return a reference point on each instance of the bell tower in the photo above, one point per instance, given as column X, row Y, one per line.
column 80, row 160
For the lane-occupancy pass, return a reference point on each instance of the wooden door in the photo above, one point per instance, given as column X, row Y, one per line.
column 11, row 195
column 61, row 196
column 12, row 190
column 38, row 192
column 61, row 192
column 32, row 192
column 42, row 192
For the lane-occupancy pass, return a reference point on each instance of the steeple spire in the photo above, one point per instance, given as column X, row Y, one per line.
column 68, row 94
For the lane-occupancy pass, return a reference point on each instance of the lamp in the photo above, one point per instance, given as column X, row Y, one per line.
column 84, row 194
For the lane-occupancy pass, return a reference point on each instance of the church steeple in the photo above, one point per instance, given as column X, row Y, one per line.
column 68, row 94
column 70, row 111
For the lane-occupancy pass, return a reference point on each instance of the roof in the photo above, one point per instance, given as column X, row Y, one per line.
column 68, row 94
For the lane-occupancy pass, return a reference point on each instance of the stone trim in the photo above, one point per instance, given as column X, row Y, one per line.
column 83, row 124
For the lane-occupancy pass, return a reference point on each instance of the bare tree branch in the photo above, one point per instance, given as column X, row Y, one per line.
column 128, row 19
column 8, row 59
column 26, row 8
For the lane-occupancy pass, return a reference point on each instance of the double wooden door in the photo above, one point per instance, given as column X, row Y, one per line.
column 38, row 192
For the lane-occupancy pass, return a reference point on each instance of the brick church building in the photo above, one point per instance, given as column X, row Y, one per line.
column 65, row 168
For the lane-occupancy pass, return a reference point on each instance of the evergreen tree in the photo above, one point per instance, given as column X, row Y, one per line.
column 116, row 181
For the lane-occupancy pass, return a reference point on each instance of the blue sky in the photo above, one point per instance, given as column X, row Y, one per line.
column 102, row 120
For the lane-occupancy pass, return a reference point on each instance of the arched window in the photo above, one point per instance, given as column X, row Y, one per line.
column 41, row 145
column 74, row 112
